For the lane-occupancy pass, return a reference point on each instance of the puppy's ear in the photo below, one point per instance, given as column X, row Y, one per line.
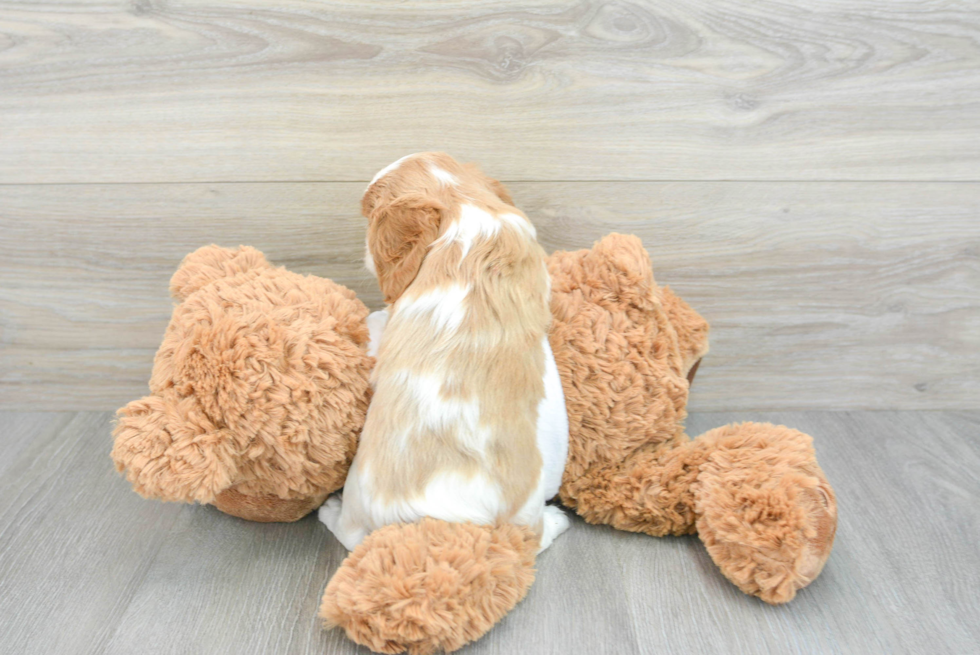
column 501, row 191
column 399, row 235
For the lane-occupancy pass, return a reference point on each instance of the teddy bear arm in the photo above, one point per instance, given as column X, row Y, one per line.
column 169, row 450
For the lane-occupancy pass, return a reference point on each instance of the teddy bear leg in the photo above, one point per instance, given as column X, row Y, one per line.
column 649, row 492
column 765, row 511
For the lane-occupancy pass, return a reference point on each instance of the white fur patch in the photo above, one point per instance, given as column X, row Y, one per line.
column 520, row 223
column 369, row 259
column 455, row 497
column 552, row 426
column 473, row 223
column 387, row 169
column 376, row 322
column 450, row 497
column 460, row 417
column 554, row 522
column 444, row 176
column 446, row 306
column 330, row 514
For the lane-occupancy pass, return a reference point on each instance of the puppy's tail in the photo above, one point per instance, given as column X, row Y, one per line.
column 430, row 586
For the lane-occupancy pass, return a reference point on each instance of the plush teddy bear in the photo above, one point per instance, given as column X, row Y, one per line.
column 258, row 391
column 261, row 386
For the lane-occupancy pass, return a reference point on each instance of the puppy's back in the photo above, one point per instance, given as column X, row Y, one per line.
column 451, row 431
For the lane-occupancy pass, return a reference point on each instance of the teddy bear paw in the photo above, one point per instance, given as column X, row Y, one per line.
column 766, row 513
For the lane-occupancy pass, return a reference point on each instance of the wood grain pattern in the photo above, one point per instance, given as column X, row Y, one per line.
column 261, row 595
column 821, row 295
column 86, row 566
column 75, row 542
column 152, row 91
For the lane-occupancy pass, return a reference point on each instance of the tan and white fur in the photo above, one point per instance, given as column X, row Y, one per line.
column 468, row 420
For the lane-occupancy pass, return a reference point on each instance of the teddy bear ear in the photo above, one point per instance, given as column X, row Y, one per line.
column 692, row 330
column 210, row 263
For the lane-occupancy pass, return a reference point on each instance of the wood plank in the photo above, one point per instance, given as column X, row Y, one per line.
column 75, row 541
column 86, row 566
column 578, row 603
column 144, row 91
column 222, row 585
column 821, row 295
column 226, row 586
column 20, row 430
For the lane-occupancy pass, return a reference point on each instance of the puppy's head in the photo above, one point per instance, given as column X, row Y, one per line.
column 408, row 204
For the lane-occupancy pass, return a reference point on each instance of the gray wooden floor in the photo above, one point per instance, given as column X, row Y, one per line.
column 86, row 566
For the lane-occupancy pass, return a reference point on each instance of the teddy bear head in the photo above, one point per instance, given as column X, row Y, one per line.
column 257, row 365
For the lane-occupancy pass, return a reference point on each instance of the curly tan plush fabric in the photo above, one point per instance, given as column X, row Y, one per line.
column 691, row 329
column 619, row 357
column 430, row 586
column 258, row 391
column 765, row 511
column 753, row 492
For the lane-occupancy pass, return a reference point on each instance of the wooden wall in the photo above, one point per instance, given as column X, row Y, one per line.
column 806, row 174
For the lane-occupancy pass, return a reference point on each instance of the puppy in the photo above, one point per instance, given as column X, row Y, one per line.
column 468, row 420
